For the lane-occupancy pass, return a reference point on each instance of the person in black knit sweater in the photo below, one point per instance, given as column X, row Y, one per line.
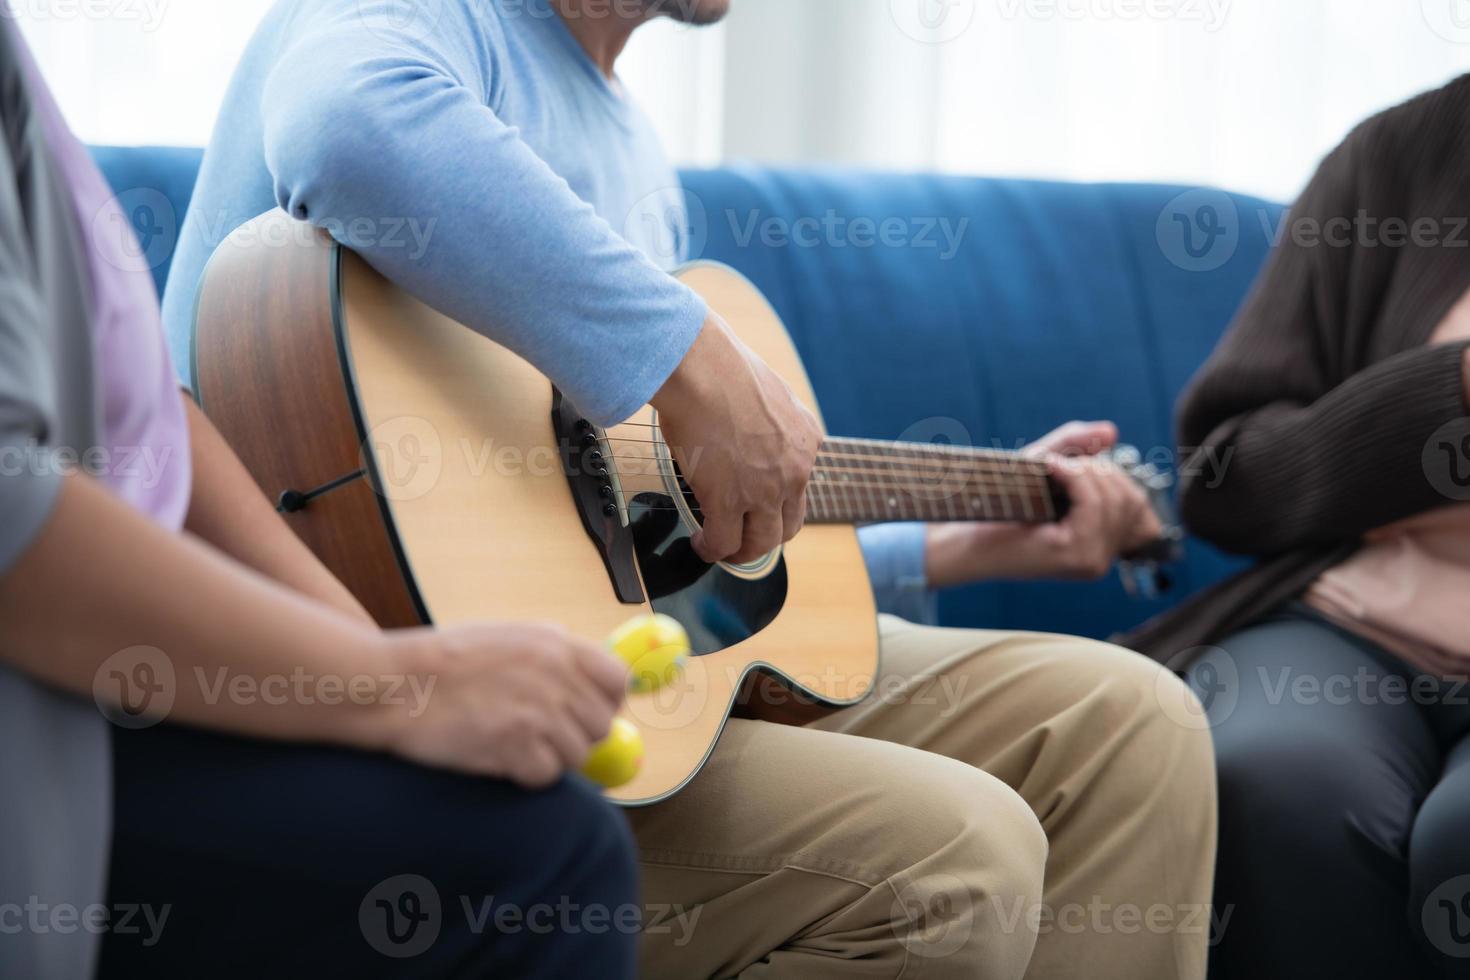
column 1334, row 671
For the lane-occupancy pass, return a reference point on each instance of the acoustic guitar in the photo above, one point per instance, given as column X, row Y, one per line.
column 443, row 479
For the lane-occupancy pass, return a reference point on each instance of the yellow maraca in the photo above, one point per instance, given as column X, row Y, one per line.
column 616, row 759
column 655, row 648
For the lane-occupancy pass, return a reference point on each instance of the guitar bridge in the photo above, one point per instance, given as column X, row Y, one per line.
column 587, row 463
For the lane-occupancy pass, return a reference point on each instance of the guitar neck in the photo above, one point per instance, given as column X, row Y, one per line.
column 859, row 481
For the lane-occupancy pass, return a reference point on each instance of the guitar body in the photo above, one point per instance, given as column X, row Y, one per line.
column 440, row 477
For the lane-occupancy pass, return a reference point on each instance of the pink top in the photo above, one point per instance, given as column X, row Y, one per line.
column 1404, row 590
column 144, row 442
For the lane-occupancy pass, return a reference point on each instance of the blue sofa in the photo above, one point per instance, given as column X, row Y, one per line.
column 979, row 309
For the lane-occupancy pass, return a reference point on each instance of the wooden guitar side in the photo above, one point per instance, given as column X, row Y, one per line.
column 268, row 372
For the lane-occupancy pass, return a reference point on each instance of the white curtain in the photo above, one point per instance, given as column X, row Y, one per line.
column 1246, row 94
column 139, row 71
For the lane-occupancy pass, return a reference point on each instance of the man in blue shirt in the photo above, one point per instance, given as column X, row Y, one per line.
column 500, row 130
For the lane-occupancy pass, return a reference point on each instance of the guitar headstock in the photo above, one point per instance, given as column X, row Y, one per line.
column 1144, row 572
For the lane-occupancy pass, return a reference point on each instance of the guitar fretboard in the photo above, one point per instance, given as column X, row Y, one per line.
column 858, row 481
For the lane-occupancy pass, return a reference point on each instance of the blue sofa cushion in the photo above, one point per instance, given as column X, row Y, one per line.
column 153, row 184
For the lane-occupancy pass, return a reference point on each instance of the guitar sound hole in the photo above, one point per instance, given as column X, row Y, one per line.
column 717, row 607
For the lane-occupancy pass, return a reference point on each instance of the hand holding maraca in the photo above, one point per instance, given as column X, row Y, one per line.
column 518, row 701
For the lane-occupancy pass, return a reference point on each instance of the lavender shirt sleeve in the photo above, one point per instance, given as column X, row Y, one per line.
column 129, row 433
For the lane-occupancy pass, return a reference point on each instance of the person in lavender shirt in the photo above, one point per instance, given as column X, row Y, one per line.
column 124, row 519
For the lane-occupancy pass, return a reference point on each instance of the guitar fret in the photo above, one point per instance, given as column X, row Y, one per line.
column 816, row 503
column 1005, row 505
column 1026, row 507
column 876, row 494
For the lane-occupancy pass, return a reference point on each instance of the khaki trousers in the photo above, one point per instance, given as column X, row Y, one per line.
column 1004, row 805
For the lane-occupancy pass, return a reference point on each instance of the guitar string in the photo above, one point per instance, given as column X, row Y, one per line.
column 1019, row 465
column 1007, row 466
column 841, row 460
column 921, row 496
column 928, row 491
column 885, row 449
column 979, row 492
column 855, row 439
column 892, row 479
column 853, row 510
column 840, row 512
column 889, row 478
column 891, row 464
column 920, row 492
column 998, row 489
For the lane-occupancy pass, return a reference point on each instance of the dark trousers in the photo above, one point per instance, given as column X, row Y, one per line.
column 1344, row 807
column 284, row 861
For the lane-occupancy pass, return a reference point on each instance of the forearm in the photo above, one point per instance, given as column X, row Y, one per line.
column 1285, row 476
column 228, row 510
column 958, row 554
column 101, row 578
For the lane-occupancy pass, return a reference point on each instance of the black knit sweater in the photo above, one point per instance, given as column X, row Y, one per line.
column 1323, row 392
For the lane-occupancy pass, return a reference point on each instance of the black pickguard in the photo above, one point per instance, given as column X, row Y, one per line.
column 717, row 608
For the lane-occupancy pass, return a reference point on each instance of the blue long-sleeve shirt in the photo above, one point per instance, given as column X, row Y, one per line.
column 473, row 153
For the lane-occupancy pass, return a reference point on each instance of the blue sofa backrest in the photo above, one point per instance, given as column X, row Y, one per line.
column 964, row 308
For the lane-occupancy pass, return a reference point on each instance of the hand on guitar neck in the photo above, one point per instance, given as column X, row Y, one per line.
column 1109, row 516
column 744, row 443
